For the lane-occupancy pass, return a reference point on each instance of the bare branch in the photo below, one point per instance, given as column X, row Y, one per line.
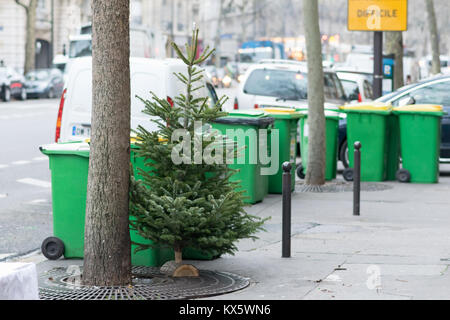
column 22, row 4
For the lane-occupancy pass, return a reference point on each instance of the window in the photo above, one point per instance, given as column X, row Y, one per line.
column 351, row 89
column 340, row 90
column 289, row 85
column 368, row 92
column 329, row 88
column 438, row 93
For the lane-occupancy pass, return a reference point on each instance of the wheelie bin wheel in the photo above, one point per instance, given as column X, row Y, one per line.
column 300, row 172
column 403, row 175
column 52, row 248
column 348, row 174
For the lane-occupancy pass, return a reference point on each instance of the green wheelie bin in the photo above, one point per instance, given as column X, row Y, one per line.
column 331, row 130
column 245, row 125
column 369, row 124
column 69, row 164
column 420, row 137
column 286, row 122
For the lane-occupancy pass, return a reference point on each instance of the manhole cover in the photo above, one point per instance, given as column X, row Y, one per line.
column 342, row 186
column 148, row 284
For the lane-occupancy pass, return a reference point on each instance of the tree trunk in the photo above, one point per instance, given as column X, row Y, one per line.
column 107, row 237
column 315, row 173
column 178, row 254
column 30, row 38
column 394, row 44
column 434, row 39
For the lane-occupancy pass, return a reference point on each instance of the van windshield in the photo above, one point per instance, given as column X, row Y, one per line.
column 80, row 48
column 288, row 85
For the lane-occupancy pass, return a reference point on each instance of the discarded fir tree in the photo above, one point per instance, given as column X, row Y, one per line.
column 193, row 203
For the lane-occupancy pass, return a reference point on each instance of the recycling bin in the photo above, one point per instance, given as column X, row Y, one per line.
column 286, row 122
column 69, row 164
column 420, row 137
column 245, row 126
column 368, row 123
column 331, row 141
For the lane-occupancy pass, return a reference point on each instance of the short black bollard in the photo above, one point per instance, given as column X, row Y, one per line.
column 286, row 236
column 357, row 178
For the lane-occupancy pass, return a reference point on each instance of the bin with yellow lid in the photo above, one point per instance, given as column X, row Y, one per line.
column 286, row 122
column 420, row 136
column 69, row 164
column 369, row 124
column 331, row 141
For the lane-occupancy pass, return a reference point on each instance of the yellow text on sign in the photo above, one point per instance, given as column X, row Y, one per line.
column 377, row 15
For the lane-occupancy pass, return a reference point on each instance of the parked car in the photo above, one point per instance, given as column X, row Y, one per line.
column 12, row 84
column 46, row 83
column 283, row 83
column 435, row 90
column 357, row 87
column 156, row 75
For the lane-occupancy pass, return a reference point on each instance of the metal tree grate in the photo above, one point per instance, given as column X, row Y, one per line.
column 148, row 284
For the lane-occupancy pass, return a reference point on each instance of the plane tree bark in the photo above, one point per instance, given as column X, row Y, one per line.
column 394, row 44
column 434, row 38
column 107, row 253
column 315, row 173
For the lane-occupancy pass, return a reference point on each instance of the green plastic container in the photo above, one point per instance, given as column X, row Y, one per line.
column 331, row 136
column 369, row 124
column 69, row 164
column 248, row 123
column 286, row 121
column 420, row 135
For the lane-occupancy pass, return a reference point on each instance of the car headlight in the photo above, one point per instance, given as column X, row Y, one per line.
column 226, row 80
column 240, row 78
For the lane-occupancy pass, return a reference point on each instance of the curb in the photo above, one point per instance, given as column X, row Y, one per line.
column 31, row 254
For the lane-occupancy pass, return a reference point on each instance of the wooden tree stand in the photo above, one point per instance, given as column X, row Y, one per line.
column 176, row 268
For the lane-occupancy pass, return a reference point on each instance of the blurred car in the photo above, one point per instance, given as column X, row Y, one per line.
column 284, row 83
column 12, row 84
column 435, row 90
column 147, row 76
column 357, row 86
column 218, row 77
column 44, row 83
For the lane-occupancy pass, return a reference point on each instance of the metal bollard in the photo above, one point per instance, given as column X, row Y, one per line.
column 286, row 229
column 357, row 179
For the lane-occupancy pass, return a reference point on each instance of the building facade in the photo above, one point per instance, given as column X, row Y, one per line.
column 170, row 19
column 68, row 15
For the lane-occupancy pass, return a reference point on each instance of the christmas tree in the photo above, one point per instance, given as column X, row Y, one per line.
column 189, row 202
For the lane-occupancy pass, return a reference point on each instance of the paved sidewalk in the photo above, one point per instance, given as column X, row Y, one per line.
column 399, row 248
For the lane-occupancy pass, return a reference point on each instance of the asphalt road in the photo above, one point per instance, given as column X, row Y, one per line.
column 25, row 181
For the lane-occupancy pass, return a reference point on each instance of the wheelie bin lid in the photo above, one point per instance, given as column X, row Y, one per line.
column 372, row 107
column 246, row 117
column 329, row 114
column 253, row 113
column 428, row 109
column 79, row 148
column 282, row 113
column 326, row 106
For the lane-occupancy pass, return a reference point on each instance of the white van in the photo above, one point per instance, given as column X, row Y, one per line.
column 156, row 75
